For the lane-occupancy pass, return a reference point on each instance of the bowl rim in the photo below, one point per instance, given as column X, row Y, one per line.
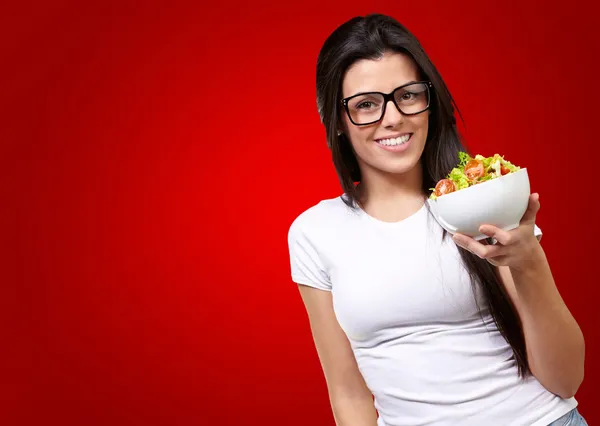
column 479, row 184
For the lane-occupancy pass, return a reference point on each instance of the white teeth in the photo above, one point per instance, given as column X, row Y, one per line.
column 395, row 141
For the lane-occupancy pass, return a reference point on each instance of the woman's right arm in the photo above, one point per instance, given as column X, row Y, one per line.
column 351, row 400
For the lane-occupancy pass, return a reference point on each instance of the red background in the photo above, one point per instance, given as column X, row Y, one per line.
column 154, row 156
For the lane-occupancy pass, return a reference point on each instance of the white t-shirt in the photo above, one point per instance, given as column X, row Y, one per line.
column 404, row 299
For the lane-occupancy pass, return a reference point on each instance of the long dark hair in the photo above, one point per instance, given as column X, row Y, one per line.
column 370, row 37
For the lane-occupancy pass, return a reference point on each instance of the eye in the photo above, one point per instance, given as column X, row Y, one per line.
column 407, row 96
column 365, row 105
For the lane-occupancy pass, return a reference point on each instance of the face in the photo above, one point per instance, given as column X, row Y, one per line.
column 380, row 147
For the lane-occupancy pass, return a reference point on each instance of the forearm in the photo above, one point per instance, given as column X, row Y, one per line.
column 555, row 345
column 357, row 410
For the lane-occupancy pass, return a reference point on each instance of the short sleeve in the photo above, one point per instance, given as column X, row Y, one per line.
column 537, row 232
column 306, row 264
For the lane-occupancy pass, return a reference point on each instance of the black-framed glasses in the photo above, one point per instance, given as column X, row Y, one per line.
column 369, row 107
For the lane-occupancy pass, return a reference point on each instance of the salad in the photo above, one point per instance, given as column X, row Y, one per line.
column 471, row 171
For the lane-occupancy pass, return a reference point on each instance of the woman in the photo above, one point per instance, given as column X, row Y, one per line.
column 414, row 326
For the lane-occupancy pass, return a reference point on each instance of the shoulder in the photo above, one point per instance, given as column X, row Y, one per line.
column 319, row 217
column 311, row 237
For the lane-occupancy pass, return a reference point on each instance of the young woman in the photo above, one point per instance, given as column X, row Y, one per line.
column 414, row 326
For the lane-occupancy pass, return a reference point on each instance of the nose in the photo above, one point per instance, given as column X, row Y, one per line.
column 392, row 116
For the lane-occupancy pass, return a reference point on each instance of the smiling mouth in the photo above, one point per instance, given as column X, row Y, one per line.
column 400, row 140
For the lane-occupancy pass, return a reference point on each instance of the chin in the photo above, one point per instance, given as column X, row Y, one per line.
column 383, row 161
column 397, row 167
column 398, row 170
column 399, row 163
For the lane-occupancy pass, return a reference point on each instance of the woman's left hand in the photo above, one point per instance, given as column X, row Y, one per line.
column 513, row 248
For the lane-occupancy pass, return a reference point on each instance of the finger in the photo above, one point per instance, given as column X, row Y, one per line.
column 502, row 236
column 532, row 208
column 475, row 247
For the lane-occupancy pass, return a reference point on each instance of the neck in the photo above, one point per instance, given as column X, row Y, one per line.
column 391, row 197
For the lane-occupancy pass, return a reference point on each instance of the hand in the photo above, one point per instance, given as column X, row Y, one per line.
column 514, row 248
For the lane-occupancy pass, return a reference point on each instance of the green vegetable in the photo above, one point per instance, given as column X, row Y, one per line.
column 463, row 159
column 492, row 167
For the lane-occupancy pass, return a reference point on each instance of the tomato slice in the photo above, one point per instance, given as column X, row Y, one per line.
column 474, row 169
column 444, row 186
column 504, row 170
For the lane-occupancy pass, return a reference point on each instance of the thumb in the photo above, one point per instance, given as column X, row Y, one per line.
column 532, row 209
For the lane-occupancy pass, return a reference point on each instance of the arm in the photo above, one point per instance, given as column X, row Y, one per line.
column 554, row 341
column 351, row 400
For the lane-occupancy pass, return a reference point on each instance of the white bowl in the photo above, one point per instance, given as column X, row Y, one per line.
column 500, row 202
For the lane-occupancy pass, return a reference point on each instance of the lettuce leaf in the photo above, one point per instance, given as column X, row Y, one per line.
column 457, row 175
column 463, row 159
column 492, row 169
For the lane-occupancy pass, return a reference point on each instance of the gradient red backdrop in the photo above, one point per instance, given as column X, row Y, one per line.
column 155, row 155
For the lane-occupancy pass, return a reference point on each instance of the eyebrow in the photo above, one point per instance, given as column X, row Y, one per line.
column 364, row 92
